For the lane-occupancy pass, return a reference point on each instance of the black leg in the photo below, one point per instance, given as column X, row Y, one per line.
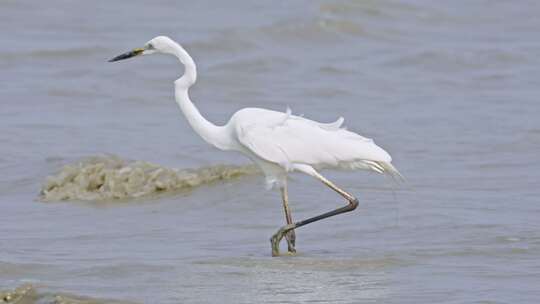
column 350, row 207
column 283, row 231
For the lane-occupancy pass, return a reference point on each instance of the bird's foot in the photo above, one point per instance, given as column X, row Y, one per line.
column 290, row 236
column 287, row 231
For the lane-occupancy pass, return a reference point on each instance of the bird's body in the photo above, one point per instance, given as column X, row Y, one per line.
column 282, row 142
column 278, row 142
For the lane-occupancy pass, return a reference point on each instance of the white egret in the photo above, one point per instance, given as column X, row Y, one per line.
column 277, row 142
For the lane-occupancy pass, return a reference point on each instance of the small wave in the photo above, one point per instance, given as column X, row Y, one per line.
column 451, row 60
column 28, row 294
column 110, row 178
column 54, row 53
column 314, row 30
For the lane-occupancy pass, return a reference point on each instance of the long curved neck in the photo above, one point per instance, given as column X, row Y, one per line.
column 212, row 134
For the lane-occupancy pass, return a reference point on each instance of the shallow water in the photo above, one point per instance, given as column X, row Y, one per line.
column 449, row 88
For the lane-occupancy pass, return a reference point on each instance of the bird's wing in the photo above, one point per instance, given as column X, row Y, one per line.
column 287, row 139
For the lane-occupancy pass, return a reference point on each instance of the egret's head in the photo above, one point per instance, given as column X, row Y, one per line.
column 160, row 44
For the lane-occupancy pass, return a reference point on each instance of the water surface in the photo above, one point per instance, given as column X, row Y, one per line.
column 449, row 88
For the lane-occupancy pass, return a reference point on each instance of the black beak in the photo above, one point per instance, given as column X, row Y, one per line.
column 127, row 55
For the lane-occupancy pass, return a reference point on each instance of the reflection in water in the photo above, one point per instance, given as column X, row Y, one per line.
column 302, row 279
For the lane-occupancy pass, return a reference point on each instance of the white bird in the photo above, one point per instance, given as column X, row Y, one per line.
column 277, row 142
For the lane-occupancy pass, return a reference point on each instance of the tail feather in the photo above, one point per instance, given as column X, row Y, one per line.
column 381, row 167
column 391, row 171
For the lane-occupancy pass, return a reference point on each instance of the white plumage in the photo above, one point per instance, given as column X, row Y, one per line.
column 278, row 142
column 294, row 143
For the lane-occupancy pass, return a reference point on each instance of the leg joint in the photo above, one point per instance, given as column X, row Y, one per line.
column 353, row 203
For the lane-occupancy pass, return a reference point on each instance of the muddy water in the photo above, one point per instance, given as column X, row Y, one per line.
column 109, row 178
column 450, row 88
